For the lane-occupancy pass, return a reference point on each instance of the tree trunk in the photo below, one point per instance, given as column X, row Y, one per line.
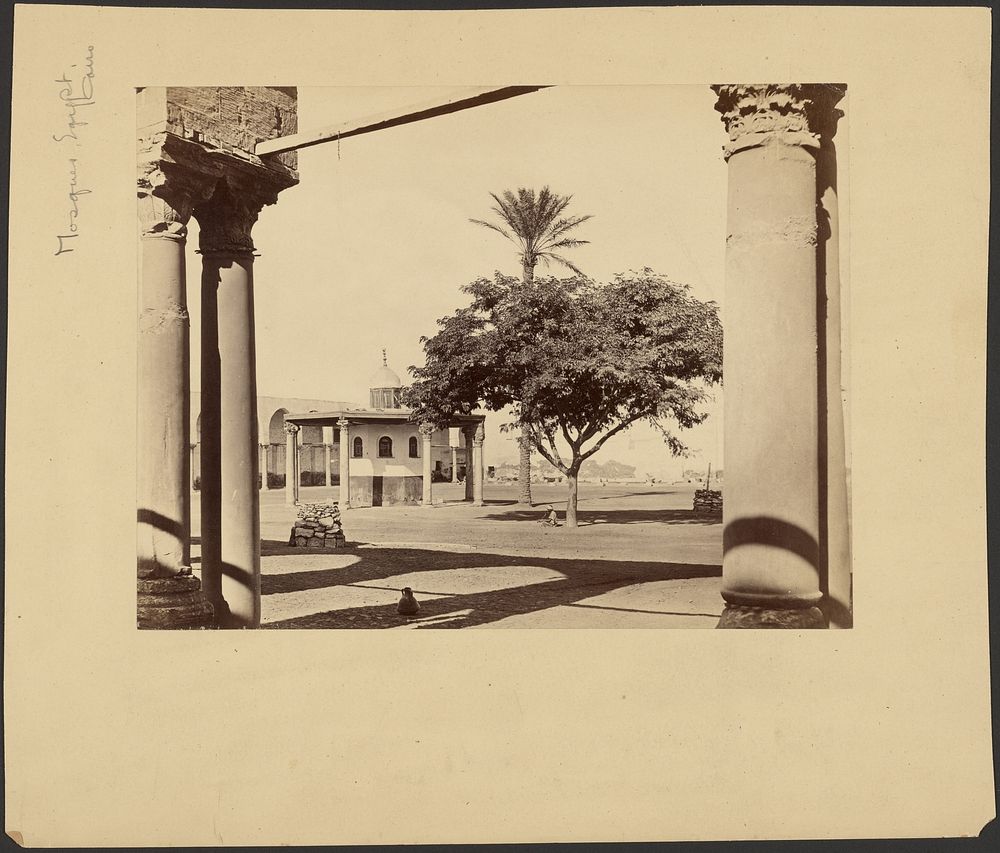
column 571, row 480
column 524, row 471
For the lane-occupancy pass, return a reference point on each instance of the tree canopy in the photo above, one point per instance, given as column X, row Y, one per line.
column 577, row 361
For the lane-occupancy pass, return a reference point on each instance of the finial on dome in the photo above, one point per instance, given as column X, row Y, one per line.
column 384, row 362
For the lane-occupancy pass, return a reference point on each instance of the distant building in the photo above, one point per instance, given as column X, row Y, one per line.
column 385, row 456
column 386, row 460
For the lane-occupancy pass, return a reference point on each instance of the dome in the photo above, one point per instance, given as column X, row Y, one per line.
column 384, row 377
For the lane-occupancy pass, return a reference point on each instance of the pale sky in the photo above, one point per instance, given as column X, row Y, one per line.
column 374, row 244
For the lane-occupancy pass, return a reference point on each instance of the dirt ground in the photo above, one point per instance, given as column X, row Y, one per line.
column 640, row 558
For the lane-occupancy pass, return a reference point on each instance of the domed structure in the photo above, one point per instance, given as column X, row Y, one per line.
column 384, row 389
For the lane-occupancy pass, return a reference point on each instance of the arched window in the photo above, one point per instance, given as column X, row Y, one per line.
column 359, row 447
column 385, row 447
column 413, row 447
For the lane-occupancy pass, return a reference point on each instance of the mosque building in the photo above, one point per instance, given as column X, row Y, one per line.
column 389, row 459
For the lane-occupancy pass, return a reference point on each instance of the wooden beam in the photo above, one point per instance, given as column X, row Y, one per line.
column 390, row 119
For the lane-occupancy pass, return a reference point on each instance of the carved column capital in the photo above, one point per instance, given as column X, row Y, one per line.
column 227, row 218
column 479, row 436
column 167, row 194
column 291, row 429
column 426, row 430
column 791, row 113
column 343, row 424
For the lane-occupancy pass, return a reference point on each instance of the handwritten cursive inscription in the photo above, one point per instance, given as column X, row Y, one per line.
column 74, row 210
column 76, row 93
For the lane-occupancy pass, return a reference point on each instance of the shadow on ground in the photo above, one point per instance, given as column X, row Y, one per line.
column 582, row 579
column 611, row 516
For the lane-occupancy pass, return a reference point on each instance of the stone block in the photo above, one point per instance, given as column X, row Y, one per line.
column 234, row 117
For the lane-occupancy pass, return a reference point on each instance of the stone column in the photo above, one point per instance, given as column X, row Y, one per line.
column 267, row 457
column 454, row 464
column 291, row 463
column 193, row 468
column 327, row 460
column 427, row 433
column 771, row 541
column 477, row 466
column 169, row 596
column 345, row 463
column 834, row 515
column 468, row 432
column 262, row 464
column 229, row 399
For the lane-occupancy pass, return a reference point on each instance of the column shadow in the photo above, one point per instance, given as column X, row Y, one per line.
column 581, row 579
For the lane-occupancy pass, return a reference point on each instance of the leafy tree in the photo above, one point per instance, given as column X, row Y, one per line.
column 577, row 361
column 537, row 226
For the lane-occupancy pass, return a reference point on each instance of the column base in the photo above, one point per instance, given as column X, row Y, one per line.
column 171, row 603
column 225, row 620
column 742, row 616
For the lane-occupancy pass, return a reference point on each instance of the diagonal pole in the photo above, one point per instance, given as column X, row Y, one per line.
column 393, row 118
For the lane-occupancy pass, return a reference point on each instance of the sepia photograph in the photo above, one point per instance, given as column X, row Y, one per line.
column 402, row 364
column 620, row 320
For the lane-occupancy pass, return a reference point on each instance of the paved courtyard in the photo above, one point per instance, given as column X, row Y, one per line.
column 639, row 559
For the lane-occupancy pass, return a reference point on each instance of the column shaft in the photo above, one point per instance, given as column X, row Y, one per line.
column 239, row 568
column 211, row 446
column 164, row 407
column 428, row 497
column 477, row 467
column 327, row 460
column 345, row 464
column 291, row 463
column 267, row 465
column 454, row 464
column 468, row 433
column 168, row 595
column 834, row 498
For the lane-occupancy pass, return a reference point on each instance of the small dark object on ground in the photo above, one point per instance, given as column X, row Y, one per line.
column 708, row 502
column 408, row 605
column 551, row 518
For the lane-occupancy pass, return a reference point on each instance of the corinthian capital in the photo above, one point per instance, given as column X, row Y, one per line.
column 479, row 435
column 426, row 430
column 794, row 113
column 167, row 194
column 291, row 429
column 227, row 218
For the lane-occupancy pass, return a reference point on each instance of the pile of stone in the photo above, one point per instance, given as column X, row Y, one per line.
column 708, row 502
column 318, row 526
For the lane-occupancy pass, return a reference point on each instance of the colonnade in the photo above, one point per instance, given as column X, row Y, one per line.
column 178, row 179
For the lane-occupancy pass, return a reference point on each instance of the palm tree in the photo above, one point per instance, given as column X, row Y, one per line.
column 537, row 226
